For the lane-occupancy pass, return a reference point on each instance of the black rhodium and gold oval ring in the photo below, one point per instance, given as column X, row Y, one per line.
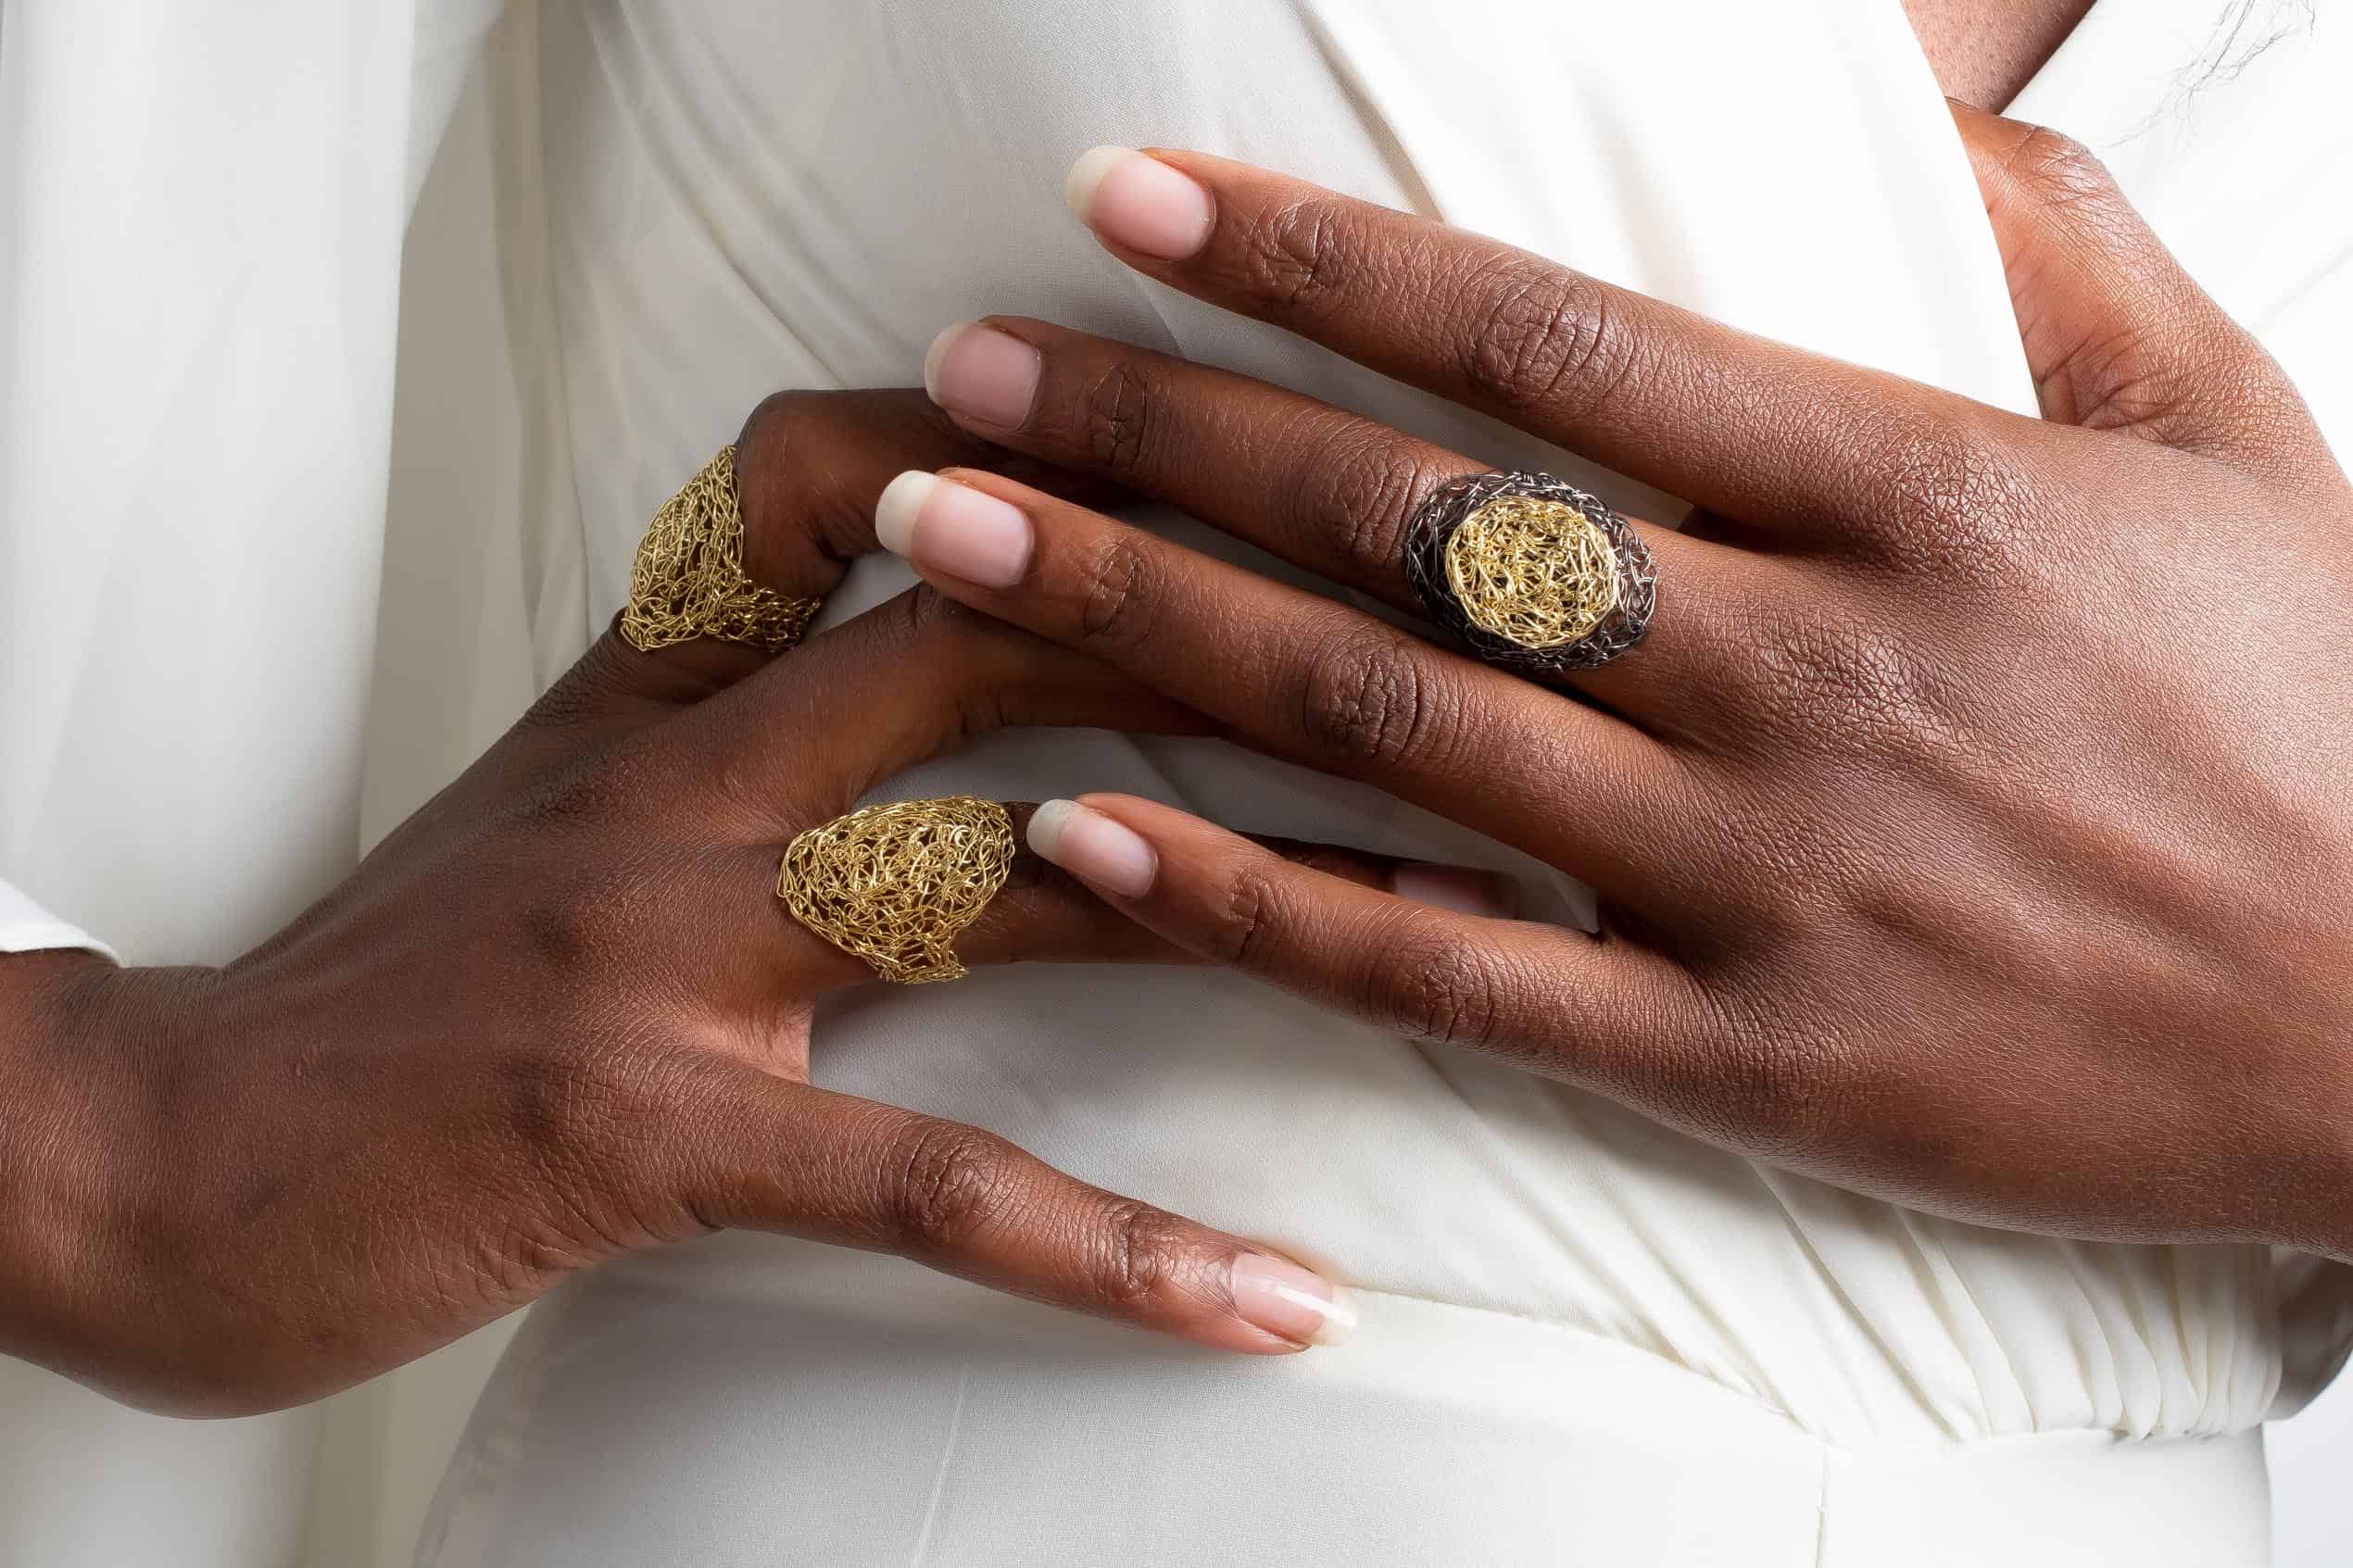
column 1533, row 573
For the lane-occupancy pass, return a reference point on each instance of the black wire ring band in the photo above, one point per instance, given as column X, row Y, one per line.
column 1546, row 578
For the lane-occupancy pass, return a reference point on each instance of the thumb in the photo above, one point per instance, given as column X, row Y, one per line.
column 2118, row 335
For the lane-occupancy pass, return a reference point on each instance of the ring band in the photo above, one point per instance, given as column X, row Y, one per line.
column 895, row 885
column 1533, row 573
column 687, row 579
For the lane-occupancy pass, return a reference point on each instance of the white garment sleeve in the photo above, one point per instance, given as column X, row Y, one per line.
column 26, row 927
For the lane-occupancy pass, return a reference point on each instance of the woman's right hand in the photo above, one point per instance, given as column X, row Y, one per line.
column 560, row 1014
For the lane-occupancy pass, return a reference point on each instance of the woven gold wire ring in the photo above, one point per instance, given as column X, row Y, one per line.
column 688, row 580
column 1532, row 572
column 895, row 885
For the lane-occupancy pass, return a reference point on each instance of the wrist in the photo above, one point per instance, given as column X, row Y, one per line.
column 71, row 1126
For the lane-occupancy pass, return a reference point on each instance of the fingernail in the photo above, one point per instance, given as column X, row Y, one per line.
column 1465, row 889
column 1093, row 848
column 982, row 374
column 953, row 528
column 1289, row 1302
column 1138, row 202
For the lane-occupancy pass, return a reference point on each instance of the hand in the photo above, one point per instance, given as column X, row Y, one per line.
column 1975, row 827
column 560, row 1014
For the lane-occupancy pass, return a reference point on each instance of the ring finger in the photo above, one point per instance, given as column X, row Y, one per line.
column 1326, row 489
column 1304, row 677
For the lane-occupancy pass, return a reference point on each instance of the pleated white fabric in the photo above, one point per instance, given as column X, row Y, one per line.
column 1585, row 1337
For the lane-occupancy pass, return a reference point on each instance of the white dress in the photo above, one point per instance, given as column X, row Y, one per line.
column 1584, row 1338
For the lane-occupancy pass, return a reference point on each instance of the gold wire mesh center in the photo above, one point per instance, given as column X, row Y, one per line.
column 1533, row 571
column 894, row 885
column 688, row 580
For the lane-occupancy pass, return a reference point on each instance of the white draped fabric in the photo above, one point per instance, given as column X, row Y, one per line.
column 253, row 608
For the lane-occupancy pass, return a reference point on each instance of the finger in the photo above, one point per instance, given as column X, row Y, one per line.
column 917, row 676
column 1410, row 967
column 762, row 1153
column 809, row 466
column 2117, row 334
column 1301, row 676
column 1742, row 426
column 1326, row 489
column 1044, row 915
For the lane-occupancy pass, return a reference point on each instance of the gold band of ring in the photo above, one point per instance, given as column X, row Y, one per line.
column 688, row 580
column 895, row 885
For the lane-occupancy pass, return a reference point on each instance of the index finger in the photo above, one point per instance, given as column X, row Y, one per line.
column 805, row 470
column 1739, row 424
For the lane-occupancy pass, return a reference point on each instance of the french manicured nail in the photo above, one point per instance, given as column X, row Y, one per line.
column 1289, row 1302
column 1093, row 848
column 1139, row 202
column 1465, row 889
column 982, row 374
column 952, row 528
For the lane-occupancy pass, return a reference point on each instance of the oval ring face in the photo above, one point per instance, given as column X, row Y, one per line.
column 894, row 884
column 1534, row 571
column 1531, row 573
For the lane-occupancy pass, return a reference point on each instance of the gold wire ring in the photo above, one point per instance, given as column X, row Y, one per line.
column 688, row 580
column 1532, row 572
column 894, row 885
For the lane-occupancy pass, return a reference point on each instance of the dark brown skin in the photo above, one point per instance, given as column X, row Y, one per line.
column 560, row 1014
column 1975, row 826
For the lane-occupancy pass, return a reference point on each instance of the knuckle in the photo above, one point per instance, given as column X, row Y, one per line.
column 1297, row 255
column 1839, row 685
column 1114, row 415
column 1115, row 595
column 592, row 914
column 1370, row 699
column 560, row 1102
column 805, row 506
column 1780, row 1087
column 932, row 621
column 1243, row 918
column 1754, row 1076
column 780, row 418
column 1362, row 495
column 1950, row 496
column 1130, row 1267
column 1544, row 337
column 1848, row 684
column 948, row 1181
column 772, row 449
column 2060, row 170
column 1440, row 988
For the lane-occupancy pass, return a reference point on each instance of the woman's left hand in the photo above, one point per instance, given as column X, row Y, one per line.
column 1974, row 827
